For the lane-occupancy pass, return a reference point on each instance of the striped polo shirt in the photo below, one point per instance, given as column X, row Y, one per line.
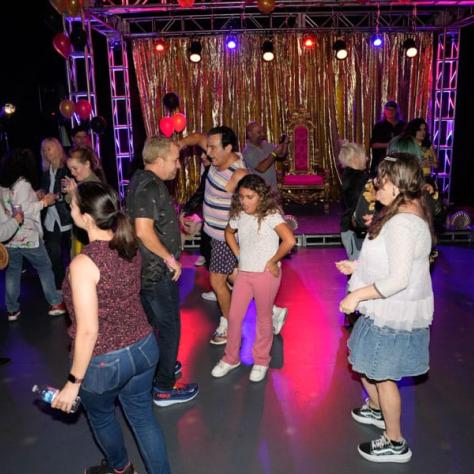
column 217, row 200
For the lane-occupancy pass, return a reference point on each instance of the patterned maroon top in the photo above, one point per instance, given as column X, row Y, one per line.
column 122, row 320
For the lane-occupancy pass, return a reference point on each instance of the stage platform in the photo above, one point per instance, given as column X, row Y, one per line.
column 316, row 229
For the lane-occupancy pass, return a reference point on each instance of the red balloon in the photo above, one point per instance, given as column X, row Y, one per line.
column 167, row 126
column 66, row 107
column 62, row 45
column 179, row 122
column 186, row 3
column 83, row 109
column 266, row 6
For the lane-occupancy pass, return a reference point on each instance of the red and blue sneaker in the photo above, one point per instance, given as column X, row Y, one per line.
column 180, row 393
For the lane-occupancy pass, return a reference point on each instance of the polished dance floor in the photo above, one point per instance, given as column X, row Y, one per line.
column 295, row 422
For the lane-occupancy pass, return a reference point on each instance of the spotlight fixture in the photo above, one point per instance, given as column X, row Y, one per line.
column 341, row 49
column 194, row 52
column 376, row 41
column 8, row 109
column 410, row 48
column 267, row 51
column 160, row 46
column 309, row 41
column 231, row 42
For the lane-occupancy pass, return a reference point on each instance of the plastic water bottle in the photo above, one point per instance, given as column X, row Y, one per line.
column 47, row 394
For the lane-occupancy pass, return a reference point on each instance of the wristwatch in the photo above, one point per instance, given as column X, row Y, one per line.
column 72, row 378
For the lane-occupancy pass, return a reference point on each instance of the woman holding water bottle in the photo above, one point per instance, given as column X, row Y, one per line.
column 57, row 222
column 17, row 177
column 114, row 350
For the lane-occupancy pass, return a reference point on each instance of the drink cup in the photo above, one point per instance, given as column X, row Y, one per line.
column 16, row 209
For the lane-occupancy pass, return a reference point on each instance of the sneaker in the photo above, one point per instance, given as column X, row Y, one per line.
column 180, row 393
column 385, row 450
column 258, row 372
column 368, row 416
column 57, row 309
column 178, row 367
column 209, row 296
column 104, row 468
column 220, row 334
column 223, row 368
column 201, row 261
column 14, row 315
column 278, row 318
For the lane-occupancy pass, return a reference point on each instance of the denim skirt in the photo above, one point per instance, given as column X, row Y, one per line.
column 382, row 353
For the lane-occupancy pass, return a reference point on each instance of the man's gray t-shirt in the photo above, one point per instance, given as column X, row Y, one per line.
column 253, row 155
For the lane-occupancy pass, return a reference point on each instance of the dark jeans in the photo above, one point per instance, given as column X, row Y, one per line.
column 161, row 304
column 126, row 375
column 58, row 245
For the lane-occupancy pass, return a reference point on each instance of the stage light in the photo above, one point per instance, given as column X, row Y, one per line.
column 309, row 41
column 267, row 51
column 160, row 46
column 376, row 41
column 8, row 109
column 341, row 49
column 194, row 52
column 231, row 42
column 410, row 48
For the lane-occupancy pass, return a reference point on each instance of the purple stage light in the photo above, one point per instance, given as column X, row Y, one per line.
column 376, row 41
column 231, row 42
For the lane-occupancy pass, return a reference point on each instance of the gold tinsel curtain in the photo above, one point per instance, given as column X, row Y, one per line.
column 345, row 98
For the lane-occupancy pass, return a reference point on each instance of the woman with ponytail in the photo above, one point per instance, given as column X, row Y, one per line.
column 391, row 287
column 114, row 350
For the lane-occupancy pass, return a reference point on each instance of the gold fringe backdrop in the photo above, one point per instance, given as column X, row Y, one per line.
column 345, row 98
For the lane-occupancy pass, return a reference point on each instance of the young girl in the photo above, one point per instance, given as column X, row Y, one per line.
column 255, row 215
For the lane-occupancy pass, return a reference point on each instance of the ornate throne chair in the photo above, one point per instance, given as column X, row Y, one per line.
column 304, row 180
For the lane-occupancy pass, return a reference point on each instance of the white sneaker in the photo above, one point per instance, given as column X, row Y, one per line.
column 209, row 296
column 278, row 318
column 220, row 334
column 223, row 368
column 258, row 372
column 200, row 261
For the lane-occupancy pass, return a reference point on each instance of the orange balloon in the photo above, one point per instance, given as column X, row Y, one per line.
column 179, row 122
column 66, row 107
column 266, row 6
column 58, row 5
column 73, row 7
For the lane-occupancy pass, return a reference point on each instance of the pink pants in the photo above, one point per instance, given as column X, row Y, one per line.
column 262, row 286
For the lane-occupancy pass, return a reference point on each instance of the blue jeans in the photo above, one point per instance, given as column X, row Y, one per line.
column 161, row 304
column 40, row 261
column 126, row 374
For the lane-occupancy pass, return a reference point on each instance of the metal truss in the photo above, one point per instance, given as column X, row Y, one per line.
column 80, row 75
column 445, row 84
column 152, row 18
column 121, row 108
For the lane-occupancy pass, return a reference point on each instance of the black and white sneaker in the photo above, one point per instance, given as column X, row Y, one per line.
column 385, row 450
column 368, row 416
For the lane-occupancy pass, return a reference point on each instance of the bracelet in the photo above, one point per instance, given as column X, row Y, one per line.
column 73, row 379
column 274, row 155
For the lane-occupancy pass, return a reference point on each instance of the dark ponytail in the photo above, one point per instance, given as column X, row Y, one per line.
column 101, row 202
column 124, row 240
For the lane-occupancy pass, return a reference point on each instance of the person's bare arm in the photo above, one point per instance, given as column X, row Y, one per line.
column 194, row 139
column 234, row 180
column 231, row 240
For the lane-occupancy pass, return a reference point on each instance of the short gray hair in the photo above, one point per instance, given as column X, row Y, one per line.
column 154, row 148
column 349, row 151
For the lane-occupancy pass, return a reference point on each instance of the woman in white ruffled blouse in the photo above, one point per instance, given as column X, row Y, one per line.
column 391, row 287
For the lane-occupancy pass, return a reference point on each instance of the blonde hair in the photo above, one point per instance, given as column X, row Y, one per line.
column 348, row 151
column 53, row 141
column 155, row 147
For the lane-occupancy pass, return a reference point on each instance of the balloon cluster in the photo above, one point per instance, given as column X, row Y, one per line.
column 83, row 109
column 175, row 123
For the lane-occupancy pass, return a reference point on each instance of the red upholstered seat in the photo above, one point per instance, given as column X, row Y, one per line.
column 303, row 180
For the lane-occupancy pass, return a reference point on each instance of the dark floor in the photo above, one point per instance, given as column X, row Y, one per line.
column 297, row 421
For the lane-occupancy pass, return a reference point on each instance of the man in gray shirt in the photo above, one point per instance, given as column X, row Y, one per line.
column 260, row 156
